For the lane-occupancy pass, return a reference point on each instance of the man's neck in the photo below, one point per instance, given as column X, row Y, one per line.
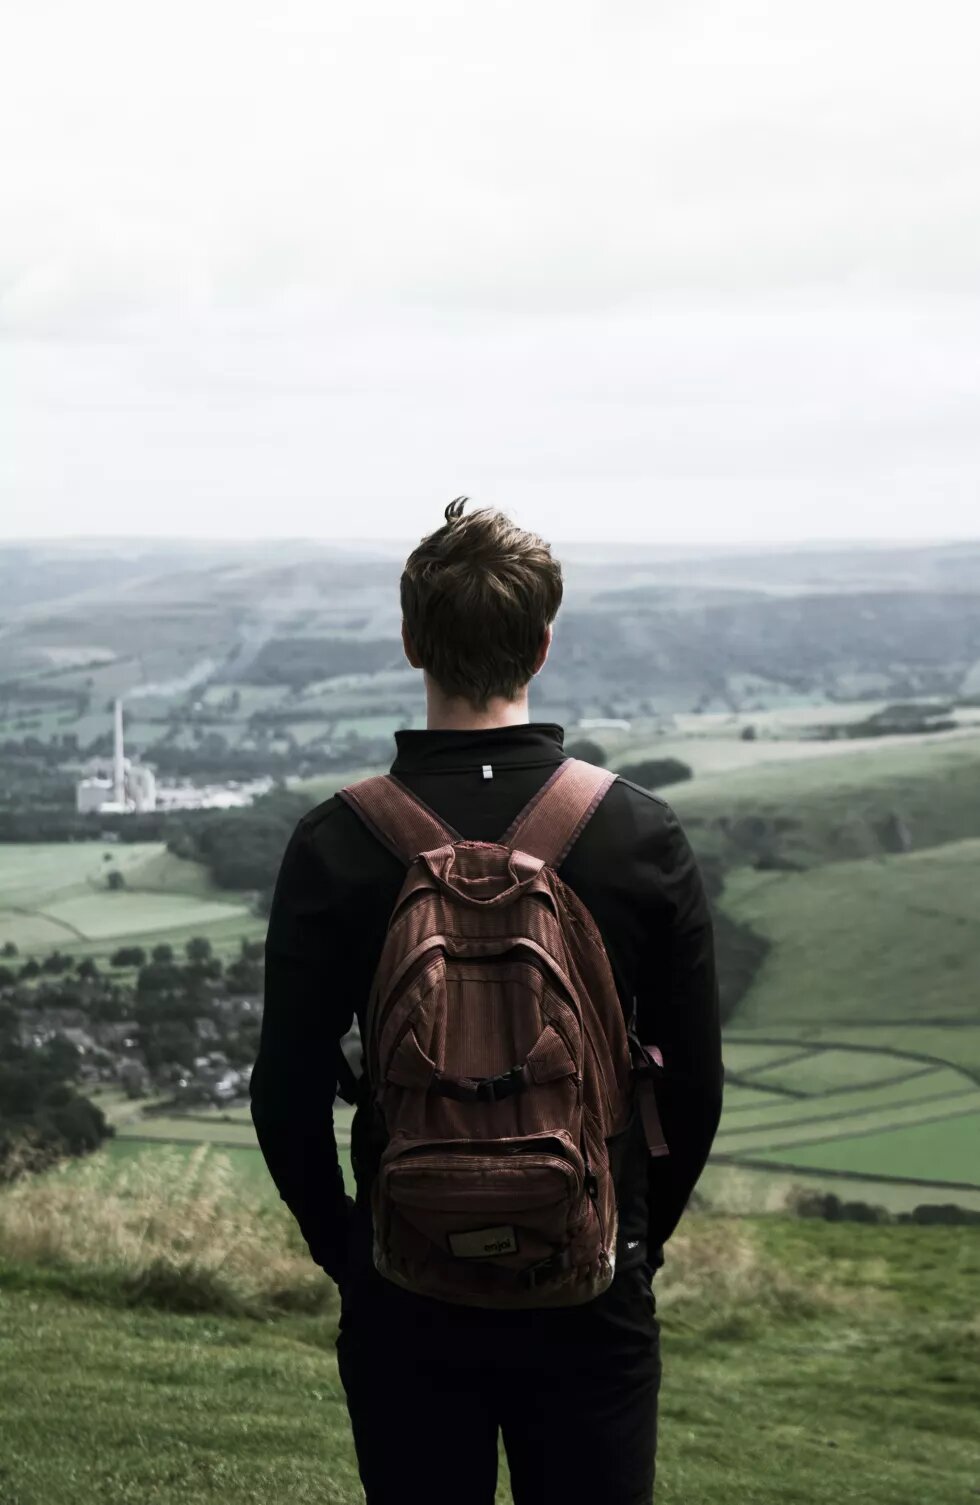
column 454, row 715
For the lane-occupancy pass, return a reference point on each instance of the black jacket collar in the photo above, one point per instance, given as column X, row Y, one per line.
column 535, row 742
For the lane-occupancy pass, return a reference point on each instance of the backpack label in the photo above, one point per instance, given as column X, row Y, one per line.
column 482, row 1243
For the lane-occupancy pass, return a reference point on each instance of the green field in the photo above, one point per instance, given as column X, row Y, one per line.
column 860, row 1028
column 854, row 1058
column 142, row 1127
column 946, row 1149
column 246, row 1160
column 862, row 1025
column 886, row 939
column 852, row 1349
column 54, row 895
column 923, row 1085
column 829, row 807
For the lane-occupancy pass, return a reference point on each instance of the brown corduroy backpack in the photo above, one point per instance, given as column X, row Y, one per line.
column 498, row 1059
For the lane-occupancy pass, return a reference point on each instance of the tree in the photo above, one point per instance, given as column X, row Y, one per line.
column 8, row 949
column 29, row 969
column 55, row 963
column 253, row 951
column 7, row 977
column 159, row 977
column 198, row 948
column 60, row 1058
column 655, row 773
column 243, row 976
column 128, row 956
column 87, row 968
column 115, row 881
column 162, row 953
column 168, row 1040
column 198, row 973
column 588, row 751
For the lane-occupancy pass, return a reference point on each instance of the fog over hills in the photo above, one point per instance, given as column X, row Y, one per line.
column 659, row 630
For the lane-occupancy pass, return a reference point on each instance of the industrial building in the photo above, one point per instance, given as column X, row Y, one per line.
column 124, row 786
column 119, row 787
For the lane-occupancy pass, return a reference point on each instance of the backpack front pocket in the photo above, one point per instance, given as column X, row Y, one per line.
column 511, row 1202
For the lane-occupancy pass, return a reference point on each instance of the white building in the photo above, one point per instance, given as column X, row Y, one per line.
column 231, row 796
column 123, row 786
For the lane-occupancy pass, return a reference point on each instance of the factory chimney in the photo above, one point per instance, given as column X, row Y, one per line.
column 118, row 766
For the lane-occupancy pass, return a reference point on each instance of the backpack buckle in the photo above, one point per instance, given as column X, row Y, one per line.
column 493, row 1089
column 548, row 1269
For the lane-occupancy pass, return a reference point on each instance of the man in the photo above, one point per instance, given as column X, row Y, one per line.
column 430, row 1385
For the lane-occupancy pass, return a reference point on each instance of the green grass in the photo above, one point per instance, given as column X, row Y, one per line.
column 745, row 1056
column 958, row 1043
column 177, row 1128
column 246, row 1160
column 137, row 1134
column 870, row 1395
column 32, row 872
column 939, row 1084
column 96, row 917
column 829, row 1070
column 879, row 953
column 55, row 895
column 744, row 1098
column 945, row 1150
column 835, row 803
column 882, row 940
column 828, row 1126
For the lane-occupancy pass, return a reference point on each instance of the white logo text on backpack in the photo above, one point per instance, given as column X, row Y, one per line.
column 483, row 1243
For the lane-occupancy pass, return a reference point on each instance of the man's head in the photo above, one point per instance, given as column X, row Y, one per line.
column 478, row 599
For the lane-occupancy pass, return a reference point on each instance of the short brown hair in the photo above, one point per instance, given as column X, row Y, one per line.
column 478, row 596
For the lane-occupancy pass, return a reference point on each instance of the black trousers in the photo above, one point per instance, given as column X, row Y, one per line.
column 572, row 1392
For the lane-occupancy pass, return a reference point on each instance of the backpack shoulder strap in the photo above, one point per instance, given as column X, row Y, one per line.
column 397, row 817
column 551, row 822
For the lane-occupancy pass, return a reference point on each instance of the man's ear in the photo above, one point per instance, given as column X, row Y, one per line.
column 409, row 648
column 542, row 654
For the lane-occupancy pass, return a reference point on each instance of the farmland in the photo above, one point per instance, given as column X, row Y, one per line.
column 853, row 1061
column 853, row 1054
column 56, row 895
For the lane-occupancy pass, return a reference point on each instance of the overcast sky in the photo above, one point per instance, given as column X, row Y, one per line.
column 672, row 270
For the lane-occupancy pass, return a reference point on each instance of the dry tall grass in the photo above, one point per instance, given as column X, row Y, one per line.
column 183, row 1232
column 190, row 1233
column 717, row 1273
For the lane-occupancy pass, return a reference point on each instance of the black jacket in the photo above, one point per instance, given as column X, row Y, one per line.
column 633, row 868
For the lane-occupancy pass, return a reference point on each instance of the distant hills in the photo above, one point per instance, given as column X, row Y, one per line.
column 649, row 632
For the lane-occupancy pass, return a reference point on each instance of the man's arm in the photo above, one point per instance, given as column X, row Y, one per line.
column 677, row 1010
column 308, row 1008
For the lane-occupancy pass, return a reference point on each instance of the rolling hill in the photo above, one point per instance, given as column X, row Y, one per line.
column 55, row 896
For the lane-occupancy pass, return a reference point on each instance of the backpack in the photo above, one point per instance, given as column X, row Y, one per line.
column 498, row 1060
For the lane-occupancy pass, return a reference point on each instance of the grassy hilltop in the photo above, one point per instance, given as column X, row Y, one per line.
column 805, row 1361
